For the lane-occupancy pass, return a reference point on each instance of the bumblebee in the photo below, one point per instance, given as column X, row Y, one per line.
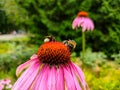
column 71, row 44
column 49, row 39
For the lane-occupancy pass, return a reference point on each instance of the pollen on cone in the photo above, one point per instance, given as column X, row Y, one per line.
column 53, row 53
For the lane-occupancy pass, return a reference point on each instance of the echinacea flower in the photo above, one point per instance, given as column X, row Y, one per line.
column 5, row 81
column 82, row 20
column 51, row 69
column 5, row 84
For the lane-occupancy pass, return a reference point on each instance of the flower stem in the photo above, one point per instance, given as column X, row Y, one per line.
column 83, row 48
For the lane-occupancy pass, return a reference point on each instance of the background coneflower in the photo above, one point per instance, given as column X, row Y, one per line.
column 5, row 84
column 82, row 20
column 51, row 69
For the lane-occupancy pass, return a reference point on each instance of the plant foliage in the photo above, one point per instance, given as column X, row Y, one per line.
column 54, row 17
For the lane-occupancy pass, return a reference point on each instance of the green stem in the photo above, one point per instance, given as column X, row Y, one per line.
column 83, row 47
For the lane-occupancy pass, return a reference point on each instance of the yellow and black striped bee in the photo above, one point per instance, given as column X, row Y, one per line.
column 71, row 44
column 49, row 39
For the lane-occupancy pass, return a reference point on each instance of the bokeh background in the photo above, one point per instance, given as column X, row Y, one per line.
column 25, row 23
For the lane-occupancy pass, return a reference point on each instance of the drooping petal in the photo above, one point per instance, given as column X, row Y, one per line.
column 60, row 79
column 77, row 85
column 76, row 22
column 91, row 24
column 27, row 78
column 80, row 74
column 45, row 82
column 87, row 25
column 40, row 82
column 69, row 81
column 84, row 25
column 80, row 22
column 52, row 79
column 23, row 66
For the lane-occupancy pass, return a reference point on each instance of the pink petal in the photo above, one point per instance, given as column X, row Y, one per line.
column 76, row 23
column 41, row 80
column 52, row 79
column 68, row 79
column 79, row 72
column 60, row 79
column 23, row 66
column 87, row 24
column 80, row 22
column 75, row 78
column 34, row 56
column 91, row 24
column 84, row 25
column 27, row 78
column 1, row 86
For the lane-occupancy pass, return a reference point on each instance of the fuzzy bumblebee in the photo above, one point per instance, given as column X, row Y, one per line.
column 71, row 44
column 49, row 39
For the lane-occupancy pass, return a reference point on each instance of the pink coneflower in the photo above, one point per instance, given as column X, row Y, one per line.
column 82, row 20
column 5, row 84
column 51, row 69
column 5, row 81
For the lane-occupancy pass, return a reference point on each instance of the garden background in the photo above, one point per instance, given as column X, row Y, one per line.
column 35, row 19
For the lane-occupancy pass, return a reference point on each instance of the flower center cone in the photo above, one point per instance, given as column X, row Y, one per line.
column 53, row 53
column 82, row 14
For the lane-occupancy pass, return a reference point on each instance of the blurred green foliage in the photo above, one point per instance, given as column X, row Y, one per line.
column 116, row 58
column 54, row 17
column 14, row 54
column 93, row 58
